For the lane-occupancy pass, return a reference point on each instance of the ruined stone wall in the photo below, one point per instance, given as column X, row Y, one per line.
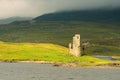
column 74, row 47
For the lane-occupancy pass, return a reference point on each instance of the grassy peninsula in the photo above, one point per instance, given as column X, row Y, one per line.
column 44, row 52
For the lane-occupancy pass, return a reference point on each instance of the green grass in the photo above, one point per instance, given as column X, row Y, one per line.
column 103, row 37
column 31, row 51
column 43, row 52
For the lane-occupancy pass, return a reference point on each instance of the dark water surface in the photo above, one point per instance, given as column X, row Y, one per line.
column 32, row 71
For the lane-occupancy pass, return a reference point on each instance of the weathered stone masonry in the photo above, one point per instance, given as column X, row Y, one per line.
column 74, row 48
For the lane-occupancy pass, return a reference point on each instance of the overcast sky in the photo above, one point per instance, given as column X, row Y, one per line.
column 33, row 8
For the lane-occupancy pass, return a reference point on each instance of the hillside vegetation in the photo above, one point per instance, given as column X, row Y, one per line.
column 44, row 52
column 32, row 51
column 104, row 37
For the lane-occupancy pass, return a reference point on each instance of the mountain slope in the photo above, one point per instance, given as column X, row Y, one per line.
column 83, row 15
column 103, row 37
column 12, row 19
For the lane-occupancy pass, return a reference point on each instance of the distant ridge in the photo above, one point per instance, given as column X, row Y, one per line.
column 12, row 19
column 82, row 15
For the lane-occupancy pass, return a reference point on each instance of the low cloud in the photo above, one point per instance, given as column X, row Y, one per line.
column 33, row 8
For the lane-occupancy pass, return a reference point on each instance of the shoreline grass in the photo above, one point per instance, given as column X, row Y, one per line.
column 44, row 52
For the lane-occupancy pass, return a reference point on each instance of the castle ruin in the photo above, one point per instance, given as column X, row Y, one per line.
column 74, row 48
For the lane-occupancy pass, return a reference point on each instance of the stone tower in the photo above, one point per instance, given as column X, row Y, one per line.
column 74, row 48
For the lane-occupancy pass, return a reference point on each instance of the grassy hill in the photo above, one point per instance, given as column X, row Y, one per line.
column 32, row 51
column 44, row 52
column 104, row 37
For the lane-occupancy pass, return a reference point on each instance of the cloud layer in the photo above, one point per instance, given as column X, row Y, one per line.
column 33, row 8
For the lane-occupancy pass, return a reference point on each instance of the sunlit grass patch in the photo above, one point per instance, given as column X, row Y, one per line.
column 30, row 51
column 44, row 52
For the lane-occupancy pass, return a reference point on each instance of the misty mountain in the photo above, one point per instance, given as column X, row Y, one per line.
column 82, row 15
column 12, row 19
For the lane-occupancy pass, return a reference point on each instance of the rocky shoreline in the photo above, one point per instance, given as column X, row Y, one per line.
column 61, row 64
